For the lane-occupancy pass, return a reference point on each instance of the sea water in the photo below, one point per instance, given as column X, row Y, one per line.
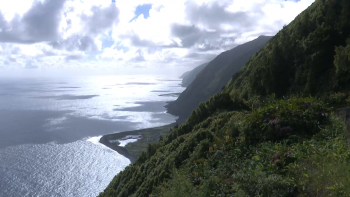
column 50, row 127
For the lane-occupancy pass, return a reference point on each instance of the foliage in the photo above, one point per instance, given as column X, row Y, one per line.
column 219, row 158
column 337, row 99
column 284, row 118
column 342, row 64
column 178, row 185
column 220, row 101
column 310, row 55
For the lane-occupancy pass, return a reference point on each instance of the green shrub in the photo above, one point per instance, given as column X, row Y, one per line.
column 284, row 118
column 337, row 99
column 325, row 169
column 178, row 186
column 342, row 64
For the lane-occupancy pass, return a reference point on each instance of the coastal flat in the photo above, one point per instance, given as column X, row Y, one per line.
column 134, row 149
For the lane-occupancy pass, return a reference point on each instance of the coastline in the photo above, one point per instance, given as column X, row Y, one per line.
column 133, row 149
column 121, row 150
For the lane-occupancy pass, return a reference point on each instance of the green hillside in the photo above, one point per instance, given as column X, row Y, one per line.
column 310, row 55
column 271, row 131
column 213, row 77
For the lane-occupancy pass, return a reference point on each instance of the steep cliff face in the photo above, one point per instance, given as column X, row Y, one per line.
column 214, row 76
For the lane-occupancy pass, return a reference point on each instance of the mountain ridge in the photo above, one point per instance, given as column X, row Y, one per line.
column 216, row 74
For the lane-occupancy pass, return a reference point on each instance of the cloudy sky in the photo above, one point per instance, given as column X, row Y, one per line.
column 131, row 35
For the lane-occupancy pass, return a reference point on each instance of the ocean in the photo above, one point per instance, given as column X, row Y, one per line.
column 50, row 127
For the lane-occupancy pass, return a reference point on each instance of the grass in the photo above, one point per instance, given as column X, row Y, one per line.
column 326, row 177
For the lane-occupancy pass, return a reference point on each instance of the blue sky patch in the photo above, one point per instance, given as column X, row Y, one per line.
column 107, row 43
column 142, row 9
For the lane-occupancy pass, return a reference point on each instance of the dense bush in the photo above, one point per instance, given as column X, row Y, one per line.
column 281, row 119
column 219, row 102
column 342, row 65
column 337, row 99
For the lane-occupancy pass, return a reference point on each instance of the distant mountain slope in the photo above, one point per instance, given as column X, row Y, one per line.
column 189, row 76
column 184, row 74
column 214, row 76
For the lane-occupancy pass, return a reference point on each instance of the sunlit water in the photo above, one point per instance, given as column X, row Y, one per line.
column 49, row 130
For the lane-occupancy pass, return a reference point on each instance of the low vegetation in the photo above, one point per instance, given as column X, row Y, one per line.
column 289, row 147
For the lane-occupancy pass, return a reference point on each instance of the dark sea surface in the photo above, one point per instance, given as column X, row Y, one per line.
column 50, row 127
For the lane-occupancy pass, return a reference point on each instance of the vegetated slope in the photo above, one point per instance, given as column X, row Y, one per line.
column 310, row 55
column 240, row 145
column 287, row 148
column 214, row 76
column 189, row 76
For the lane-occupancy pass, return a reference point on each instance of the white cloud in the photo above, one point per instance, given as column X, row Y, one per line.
column 99, row 34
column 10, row 8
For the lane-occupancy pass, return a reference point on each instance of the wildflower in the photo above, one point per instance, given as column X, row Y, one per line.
column 274, row 122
